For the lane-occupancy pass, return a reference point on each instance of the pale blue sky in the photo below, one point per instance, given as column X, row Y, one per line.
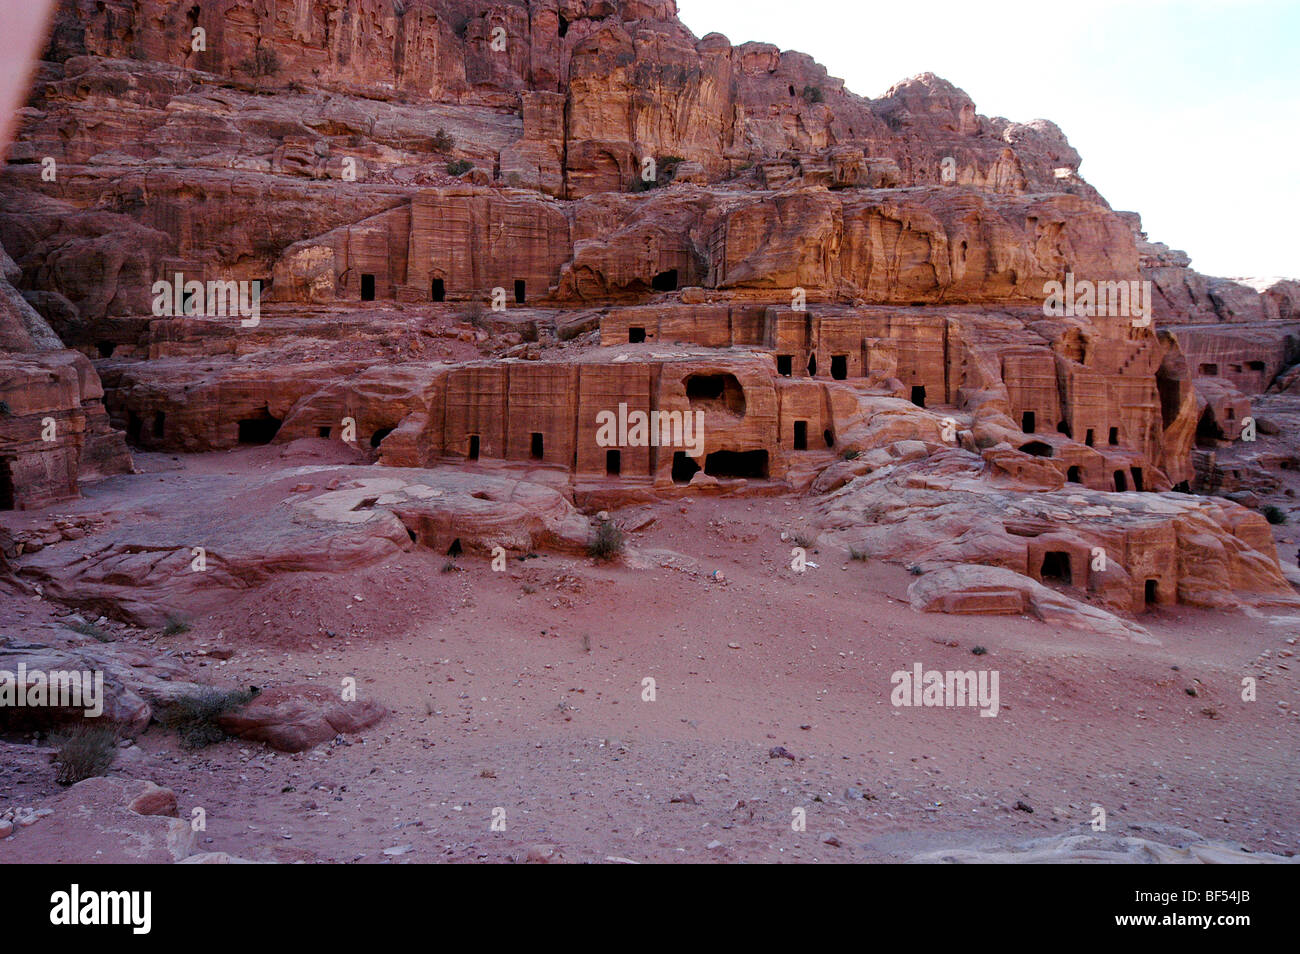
column 1186, row 111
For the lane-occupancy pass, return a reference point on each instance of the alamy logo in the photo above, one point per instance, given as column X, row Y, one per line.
column 1088, row 299
column 34, row 688
column 651, row 429
column 103, row 907
column 215, row 300
column 946, row 689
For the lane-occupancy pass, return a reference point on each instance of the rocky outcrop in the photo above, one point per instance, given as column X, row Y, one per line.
column 295, row 718
column 478, row 232
column 106, row 820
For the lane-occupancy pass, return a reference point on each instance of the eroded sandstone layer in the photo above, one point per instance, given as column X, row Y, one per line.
column 471, row 231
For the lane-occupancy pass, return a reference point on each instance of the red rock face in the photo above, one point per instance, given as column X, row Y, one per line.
column 474, row 231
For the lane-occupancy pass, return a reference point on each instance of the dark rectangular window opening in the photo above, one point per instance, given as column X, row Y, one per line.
column 6, row 485
column 1151, row 592
column 535, row 447
column 1027, row 422
column 324, row 431
column 785, row 365
column 1255, row 365
column 613, row 463
column 1073, row 475
column 159, row 423
column 367, row 287
column 438, row 290
column 749, row 464
column 1114, row 436
column 473, row 447
column 1137, row 478
column 635, row 335
column 1121, row 481
column 1209, row 370
column 1056, row 567
column 800, row 435
column 134, row 425
column 918, row 395
column 1088, row 438
column 839, row 366
column 519, row 291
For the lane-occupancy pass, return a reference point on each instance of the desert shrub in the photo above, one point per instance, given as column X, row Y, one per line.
column 194, row 718
column 851, row 455
column 813, row 94
column 175, row 626
column 475, row 314
column 84, row 752
column 862, row 556
column 643, row 185
column 607, row 542
column 458, row 167
column 443, row 141
column 450, row 567
column 1273, row 514
column 802, row 538
column 263, row 62
column 93, row 630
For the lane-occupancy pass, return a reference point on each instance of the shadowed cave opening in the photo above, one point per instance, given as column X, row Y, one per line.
column 1150, row 592
column 918, row 395
column 635, row 335
column 720, row 392
column 839, row 366
column 800, row 435
column 748, row 464
column 1056, row 567
column 438, row 290
column 259, row 430
column 665, row 281
column 684, row 467
column 378, row 436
